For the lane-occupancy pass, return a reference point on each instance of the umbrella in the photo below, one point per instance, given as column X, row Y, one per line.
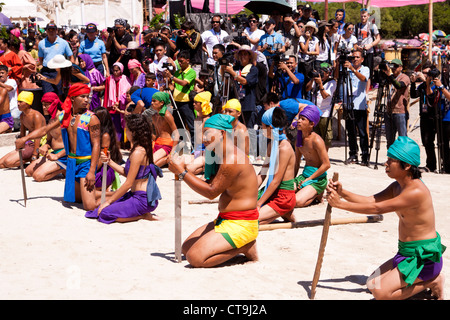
column 439, row 33
column 426, row 36
column 4, row 20
column 268, row 6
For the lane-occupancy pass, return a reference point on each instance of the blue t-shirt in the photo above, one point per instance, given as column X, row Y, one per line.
column 94, row 48
column 359, row 88
column 290, row 107
column 270, row 39
column 48, row 50
column 291, row 90
column 144, row 94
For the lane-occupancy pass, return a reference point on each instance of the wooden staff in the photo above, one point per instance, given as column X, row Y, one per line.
column 22, row 172
column 323, row 243
column 177, row 194
column 104, row 176
column 203, row 201
column 320, row 222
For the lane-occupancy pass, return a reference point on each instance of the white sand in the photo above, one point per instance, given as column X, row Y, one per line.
column 49, row 250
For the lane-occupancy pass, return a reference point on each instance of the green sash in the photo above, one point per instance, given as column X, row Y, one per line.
column 416, row 253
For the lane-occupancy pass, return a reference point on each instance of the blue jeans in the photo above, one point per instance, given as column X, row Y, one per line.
column 394, row 123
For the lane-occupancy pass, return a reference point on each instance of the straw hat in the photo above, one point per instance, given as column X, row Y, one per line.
column 58, row 62
column 245, row 48
column 312, row 24
column 133, row 45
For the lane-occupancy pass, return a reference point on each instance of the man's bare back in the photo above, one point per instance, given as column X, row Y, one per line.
column 4, row 101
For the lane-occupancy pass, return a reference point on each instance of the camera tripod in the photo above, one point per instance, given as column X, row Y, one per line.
column 383, row 100
column 175, row 108
column 344, row 82
column 439, row 133
column 226, row 85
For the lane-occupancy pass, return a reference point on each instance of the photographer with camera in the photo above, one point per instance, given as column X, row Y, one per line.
column 433, row 122
column 117, row 42
column 291, row 34
column 190, row 39
column 356, row 117
column 396, row 113
column 245, row 75
column 288, row 82
column 323, row 86
column 271, row 42
column 182, row 82
column 160, row 63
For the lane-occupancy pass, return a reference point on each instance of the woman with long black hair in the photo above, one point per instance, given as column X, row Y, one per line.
column 138, row 196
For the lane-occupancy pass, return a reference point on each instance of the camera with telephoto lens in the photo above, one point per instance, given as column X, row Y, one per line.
column 168, row 66
column 227, row 59
column 384, row 65
column 279, row 57
column 433, row 73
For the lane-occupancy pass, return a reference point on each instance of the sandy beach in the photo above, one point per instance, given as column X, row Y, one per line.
column 49, row 250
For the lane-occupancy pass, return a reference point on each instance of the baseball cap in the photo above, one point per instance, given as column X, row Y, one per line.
column 91, row 27
column 51, row 25
column 307, row 7
column 270, row 20
column 397, row 62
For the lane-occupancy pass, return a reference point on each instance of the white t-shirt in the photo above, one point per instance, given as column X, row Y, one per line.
column 325, row 104
column 365, row 33
column 323, row 51
column 157, row 68
column 347, row 43
column 254, row 35
column 210, row 38
column 14, row 109
column 312, row 46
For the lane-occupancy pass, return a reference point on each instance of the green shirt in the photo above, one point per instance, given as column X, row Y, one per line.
column 181, row 93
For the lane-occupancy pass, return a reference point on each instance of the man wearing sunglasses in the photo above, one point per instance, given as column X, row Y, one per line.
column 252, row 32
column 212, row 37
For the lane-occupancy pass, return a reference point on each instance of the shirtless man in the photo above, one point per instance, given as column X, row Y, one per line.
column 278, row 196
column 30, row 120
column 80, row 129
column 240, row 132
column 236, row 228
column 6, row 118
column 418, row 263
column 54, row 158
column 166, row 130
column 312, row 182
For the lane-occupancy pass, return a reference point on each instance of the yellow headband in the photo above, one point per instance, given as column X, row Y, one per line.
column 233, row 104
column 26, row 96
column 205, row 98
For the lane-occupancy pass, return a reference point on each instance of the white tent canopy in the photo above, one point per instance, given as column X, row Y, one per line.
column 19, row 10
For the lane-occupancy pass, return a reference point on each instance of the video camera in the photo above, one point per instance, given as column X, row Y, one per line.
column 240, row 21
column 344, row 55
